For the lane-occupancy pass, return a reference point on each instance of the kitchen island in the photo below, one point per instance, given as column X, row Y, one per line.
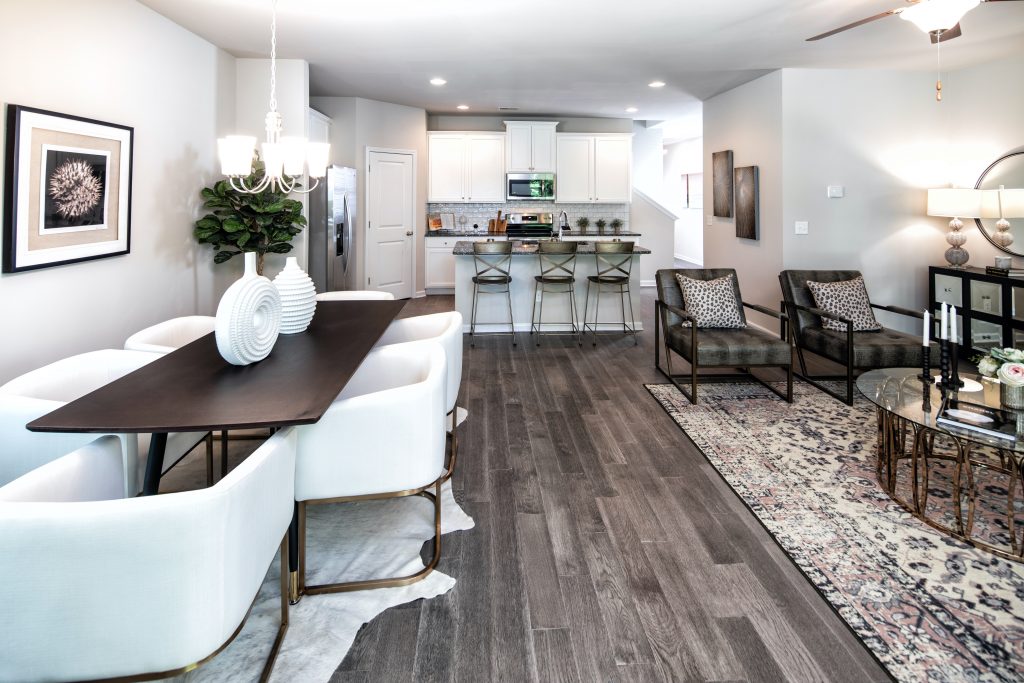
column 492, row 311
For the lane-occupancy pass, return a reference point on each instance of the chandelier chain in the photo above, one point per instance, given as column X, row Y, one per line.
column 273, row 58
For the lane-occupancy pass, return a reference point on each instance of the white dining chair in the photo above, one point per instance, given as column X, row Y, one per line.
column 383, row 437
column 140, row 588
column 445, row 329
column 171, row 334
column 355, row 295
column 45, row 389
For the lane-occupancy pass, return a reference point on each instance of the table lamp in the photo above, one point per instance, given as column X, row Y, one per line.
column 1002, row 204
column 954, row 203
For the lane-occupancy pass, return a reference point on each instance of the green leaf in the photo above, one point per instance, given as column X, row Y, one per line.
column 279, row 248
column 222, row 256
column 232, row 225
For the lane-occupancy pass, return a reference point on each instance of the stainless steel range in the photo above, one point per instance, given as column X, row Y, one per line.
column 530, row 225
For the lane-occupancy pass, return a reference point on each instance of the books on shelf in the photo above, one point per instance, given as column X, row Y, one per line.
column 994, row 422
column 1005, row 272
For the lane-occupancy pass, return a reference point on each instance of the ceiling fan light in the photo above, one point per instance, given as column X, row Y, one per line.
column 937, row 15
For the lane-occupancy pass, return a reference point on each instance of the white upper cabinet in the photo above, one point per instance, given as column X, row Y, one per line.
column 466, row 167
column 594, row 168
column 530, row 146
column 574, row 175
column 485, row 167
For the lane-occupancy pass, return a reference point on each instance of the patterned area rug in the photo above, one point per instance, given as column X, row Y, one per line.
column 929, row 607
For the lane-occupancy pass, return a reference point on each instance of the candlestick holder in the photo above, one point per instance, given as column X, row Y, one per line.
column 926, row 365
column 955, row 383
column 943, row 364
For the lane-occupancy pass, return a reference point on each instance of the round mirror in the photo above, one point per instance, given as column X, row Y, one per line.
column 1008, row 171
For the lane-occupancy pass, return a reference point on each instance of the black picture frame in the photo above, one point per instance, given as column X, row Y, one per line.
column 748, row 211
column 721, row 188
column 67, row 189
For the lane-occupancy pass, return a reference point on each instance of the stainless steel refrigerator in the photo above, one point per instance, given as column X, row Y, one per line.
column 332, row 216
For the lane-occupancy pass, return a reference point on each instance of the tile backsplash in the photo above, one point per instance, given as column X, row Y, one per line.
column 480, row 213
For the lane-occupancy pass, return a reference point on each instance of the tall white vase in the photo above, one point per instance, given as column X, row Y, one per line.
column 248, row 317
column 298, row 297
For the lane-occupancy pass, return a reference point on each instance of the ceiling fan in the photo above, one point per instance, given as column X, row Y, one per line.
column 940, row 19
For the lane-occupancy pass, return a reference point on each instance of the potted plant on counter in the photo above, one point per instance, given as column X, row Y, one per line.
column 583, row 223
column 616, row 225
column 600, row 223
column 240, row 222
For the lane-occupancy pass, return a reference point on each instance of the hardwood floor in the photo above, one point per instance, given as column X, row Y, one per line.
column 606, row 548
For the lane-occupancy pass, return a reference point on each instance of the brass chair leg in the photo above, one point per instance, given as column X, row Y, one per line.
column 368, row 584
column 209, row 459
column 223, row 453
column 455, row 449
column 268, row 667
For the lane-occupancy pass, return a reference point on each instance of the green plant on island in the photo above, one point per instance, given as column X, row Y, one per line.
column 600, row 223
column 582, row 222
column 616, row 224
column 264, row 222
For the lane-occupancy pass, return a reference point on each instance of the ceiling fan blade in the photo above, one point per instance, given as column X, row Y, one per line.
column 856, row 24
column 948, row 34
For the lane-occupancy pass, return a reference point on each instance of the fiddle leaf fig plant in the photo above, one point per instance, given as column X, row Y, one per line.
column 264, row 222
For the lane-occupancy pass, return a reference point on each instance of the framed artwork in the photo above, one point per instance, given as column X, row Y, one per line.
column 67, row 189
column 721, row 178
column 748, row 214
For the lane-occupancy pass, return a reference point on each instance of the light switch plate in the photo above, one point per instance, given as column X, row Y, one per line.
column 836, row 191
column 800, row 227
column 711, row 220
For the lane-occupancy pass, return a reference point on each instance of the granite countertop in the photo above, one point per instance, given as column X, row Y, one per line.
column 459, row 233
column 519, row 249
column 565, row 233
column 598, row 233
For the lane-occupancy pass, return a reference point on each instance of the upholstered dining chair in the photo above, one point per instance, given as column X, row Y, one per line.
column 136, row 588
column 445, row 329
column 45, row 389
column 355, row 295
column 708, row 329
column 383, row 437
column 171, row 334
column 844, row 344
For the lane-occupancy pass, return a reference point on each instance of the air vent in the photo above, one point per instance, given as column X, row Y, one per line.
column 508, row 108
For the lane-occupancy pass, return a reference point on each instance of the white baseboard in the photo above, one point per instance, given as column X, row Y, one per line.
column 690, row 259
column 648, row 283
column 420, row 294
column 440, row 290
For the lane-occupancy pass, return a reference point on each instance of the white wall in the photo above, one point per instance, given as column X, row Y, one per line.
column 683, row 158
column 648, row 160
column 358, row 123
column 117, row 61
column 656, row 225
column 748, row 120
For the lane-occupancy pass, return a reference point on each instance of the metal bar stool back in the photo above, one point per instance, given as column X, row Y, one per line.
column 493, row 263
column 557, row 276
column 614, row 261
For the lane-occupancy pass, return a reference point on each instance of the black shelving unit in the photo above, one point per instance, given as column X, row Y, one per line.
column 990, row 308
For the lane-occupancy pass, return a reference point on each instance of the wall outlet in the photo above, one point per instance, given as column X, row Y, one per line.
column 800, row 227
column 836, row 191
column 711, row 219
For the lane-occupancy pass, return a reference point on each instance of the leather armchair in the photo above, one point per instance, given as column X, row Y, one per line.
column 145, row 586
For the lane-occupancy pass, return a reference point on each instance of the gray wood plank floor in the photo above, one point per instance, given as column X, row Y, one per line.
column 606, row 548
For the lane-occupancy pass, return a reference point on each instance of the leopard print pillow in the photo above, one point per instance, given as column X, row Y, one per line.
column 712, row 303
column 848, row 299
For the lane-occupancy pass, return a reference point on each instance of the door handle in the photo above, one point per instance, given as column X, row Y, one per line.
column 409, row 233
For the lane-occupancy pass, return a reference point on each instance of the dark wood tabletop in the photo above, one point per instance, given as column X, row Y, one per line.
column 193, row 389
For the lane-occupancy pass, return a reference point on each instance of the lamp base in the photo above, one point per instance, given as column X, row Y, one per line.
column 957, row 257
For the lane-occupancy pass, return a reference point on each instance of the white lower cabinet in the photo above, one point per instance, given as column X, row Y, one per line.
column 439, row 262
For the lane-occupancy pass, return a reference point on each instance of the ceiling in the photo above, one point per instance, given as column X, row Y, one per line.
column 577, row 57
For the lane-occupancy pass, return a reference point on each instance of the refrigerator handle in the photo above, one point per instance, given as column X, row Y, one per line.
column 346, row 236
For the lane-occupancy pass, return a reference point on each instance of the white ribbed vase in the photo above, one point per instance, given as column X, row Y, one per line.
column 298, row 297
column 248, row 317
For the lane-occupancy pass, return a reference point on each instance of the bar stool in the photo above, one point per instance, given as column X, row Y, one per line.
column 557, row 276
column 493, row 263
column 614, row 262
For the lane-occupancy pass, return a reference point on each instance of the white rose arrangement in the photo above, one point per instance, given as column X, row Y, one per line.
column 1006, row 364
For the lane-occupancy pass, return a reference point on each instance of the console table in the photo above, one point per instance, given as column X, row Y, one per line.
column 960, row 482
column 990, row 307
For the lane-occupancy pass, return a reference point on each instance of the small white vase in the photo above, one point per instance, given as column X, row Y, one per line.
column 298, row 297
column 248, row 317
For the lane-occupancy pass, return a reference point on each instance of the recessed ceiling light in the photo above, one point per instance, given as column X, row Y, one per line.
column 631, row 110
column 437, row 81
column 657, row 84
column 463, row 107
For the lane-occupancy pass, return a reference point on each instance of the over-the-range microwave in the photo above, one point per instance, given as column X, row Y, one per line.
column 530, row 186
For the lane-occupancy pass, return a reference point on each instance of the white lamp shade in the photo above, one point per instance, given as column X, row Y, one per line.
column 294, row 155
column 937, row 15
column 317, row 156
column 235, row 152
column 273, row 158
column 1012, row 203
column 955, row 202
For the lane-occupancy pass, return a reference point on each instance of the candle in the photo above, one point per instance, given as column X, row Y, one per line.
column 952, row 324
column 943, row 322
column 926, row 334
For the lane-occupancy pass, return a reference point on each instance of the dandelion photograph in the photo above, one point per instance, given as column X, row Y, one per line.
column 67, row 189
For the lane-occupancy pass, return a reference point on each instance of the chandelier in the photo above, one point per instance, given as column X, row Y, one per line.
column 284, row 158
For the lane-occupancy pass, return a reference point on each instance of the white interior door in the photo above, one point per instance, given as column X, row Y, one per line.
column 390, row 228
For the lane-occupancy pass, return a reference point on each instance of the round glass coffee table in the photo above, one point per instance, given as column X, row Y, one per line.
column 960, row 482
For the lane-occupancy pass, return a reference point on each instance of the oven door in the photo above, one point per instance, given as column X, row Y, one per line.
column 531, row 186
